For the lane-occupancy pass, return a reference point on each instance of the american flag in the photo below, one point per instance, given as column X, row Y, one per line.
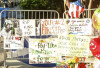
column 75, row 9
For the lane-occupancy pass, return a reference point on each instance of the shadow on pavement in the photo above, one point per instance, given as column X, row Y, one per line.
column 1, row 63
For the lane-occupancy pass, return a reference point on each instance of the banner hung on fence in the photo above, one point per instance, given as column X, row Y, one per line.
column 52, row 26
column 80, row 26
column 13, row 42
column 42, row 50
column 73, row 45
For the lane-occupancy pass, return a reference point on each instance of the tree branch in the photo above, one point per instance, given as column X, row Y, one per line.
column 89, row 7
column 90, row 4
column 66, row 2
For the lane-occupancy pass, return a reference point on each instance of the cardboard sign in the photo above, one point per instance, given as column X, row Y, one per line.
column 42, row 51
column 73, row 46
column 80, row 26
column 13, row 42
column 52, row 26
column 27, row 27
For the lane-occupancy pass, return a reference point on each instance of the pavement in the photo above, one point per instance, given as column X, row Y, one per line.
column 1, row 52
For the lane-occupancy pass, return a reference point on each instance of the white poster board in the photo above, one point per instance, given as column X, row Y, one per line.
column 80, row 26
column 52, row 26
column 13, row 42
column 42, row 51
column 27, row 27
column 73, row 45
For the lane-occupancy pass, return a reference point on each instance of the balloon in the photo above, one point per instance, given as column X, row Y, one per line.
column 96, row 19
column 95, row 47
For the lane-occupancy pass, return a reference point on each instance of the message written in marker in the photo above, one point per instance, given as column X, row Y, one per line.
column 74, row 45
column 13, row 42
column 27, row 27
column 42, row 50
column 52, row 26
column 80, row 26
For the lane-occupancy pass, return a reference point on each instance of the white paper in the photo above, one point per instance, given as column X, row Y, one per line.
column 27, row 27
column 80, row 26
column 53, row 26
column 42, row 51
column 13, row 42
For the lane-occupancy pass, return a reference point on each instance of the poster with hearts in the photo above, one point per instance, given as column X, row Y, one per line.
column 42, row 50
column 13, row 42
column 80, row 26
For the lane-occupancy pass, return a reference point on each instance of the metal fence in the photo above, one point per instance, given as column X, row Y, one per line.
column 23, row 14
column 35, row 14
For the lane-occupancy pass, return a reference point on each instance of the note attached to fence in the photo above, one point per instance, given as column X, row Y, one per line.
column 13, row 42
column 42, row 51
column 27, row 27
column 80, row 26
column 73, row 45
column 52, row 26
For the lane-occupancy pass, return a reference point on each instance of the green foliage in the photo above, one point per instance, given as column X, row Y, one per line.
column 35, row 4
column 43, row 5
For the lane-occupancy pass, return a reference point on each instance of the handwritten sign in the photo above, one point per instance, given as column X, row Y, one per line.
column 52, row 26
column 80, row 26
column 13, row 42
column 27, row 27
column 42, row 51
column 73, row 45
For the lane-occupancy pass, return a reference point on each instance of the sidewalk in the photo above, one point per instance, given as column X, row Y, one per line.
column 1, row 53
column 21, row 65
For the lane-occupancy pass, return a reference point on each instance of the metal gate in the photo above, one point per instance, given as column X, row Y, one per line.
column 24, row 14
